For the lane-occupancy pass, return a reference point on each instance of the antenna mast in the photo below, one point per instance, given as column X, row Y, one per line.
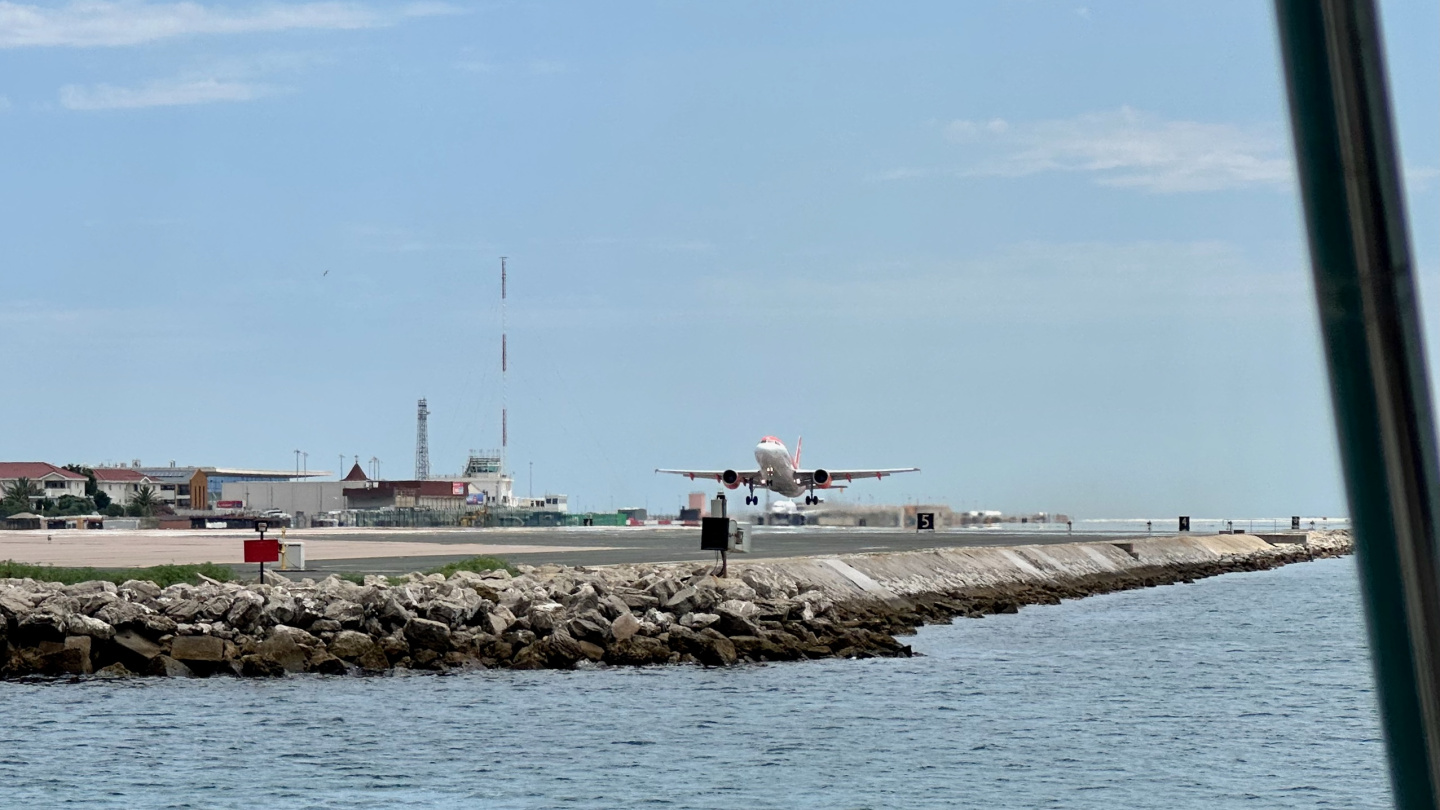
column 504, row 371
column 422, row 441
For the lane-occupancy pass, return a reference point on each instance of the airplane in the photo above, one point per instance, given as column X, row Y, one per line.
column 779, row 472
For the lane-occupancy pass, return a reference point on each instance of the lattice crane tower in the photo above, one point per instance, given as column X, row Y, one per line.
column 422, row 442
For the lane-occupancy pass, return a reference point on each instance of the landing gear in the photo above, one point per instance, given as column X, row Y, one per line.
column 811, row 500
column 752, row 500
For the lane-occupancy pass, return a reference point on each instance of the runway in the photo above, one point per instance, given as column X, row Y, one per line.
column 608, row 546
column 398, row 551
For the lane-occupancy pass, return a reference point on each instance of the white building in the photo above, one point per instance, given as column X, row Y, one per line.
column 121, row 484
column 53, row 482
column 549, row 503
column 295, row 498
column 487, row 485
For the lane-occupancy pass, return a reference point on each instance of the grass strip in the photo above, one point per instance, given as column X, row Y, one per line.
column 478, row 565
column 162, row 575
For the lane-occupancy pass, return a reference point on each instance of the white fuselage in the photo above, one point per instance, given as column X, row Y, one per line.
column 777, row 469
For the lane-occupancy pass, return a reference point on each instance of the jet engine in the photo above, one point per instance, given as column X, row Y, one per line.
column 823, row 479
column 730, row 479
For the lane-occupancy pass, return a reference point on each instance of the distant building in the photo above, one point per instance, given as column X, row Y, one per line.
column 120, row 484
column 549, row 503
column 299, row 499
column 436, row 495
column 53, row 482
column 486, row 484
column 201, row 487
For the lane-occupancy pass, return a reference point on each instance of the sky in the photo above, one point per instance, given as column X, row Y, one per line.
column 1049, row 252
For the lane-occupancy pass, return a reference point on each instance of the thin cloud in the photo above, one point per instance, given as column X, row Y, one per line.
column 1055, row 282
column 112, row 24
column 1123, row 148
column 159, row 94
column 4, row 104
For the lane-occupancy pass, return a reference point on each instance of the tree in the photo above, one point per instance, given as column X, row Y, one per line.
column 114, row 510
column 18, row 496
column 90, row 486
column 143, row 503
column 70, row 505
column 102, row 501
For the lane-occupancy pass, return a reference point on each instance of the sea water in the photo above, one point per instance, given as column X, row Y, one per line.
column 1249, row 689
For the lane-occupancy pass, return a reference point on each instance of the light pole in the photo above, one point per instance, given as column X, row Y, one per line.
column 297, row 463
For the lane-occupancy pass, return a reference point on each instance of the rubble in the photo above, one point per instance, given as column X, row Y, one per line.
column 554, row 617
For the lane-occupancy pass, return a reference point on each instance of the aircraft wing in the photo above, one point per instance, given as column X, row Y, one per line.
column 746, row 476
column 807, row 477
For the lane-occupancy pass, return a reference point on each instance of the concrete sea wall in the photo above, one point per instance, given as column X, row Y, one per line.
column 560, row 617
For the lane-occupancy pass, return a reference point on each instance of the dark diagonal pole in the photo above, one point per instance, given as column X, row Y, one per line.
column 1370, row 321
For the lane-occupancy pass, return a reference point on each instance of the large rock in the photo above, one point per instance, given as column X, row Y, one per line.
column 257, row 665
column 584, row 598
column 638, row 651
column 624, row 627
column 698, row 620
column 326, row 664
column 683, row 601
column 138, row 649
column 612, row 606
column 635, row 600
column 82, row 625
column 157, row 625
column 43, row 624
column 245, row 609
column 738, row 618
column 347, row 613
column 544, row 616
column 290, row 647
column 428, row 635
column 389, row 610
column 14, row 603
column 498, row 620
column 123, row 614
column 708, row 646
column 279, row 608
column 350, row 644
column 207, row 649
column 148, row 590
column 589, row 626
column 284, row 651
column 450, row 612
column 560, row 650
column 72, row 658
column 185, row 611
column 167, row 667
column 90, row 587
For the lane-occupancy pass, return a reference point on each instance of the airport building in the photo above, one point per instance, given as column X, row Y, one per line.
column 201, row 487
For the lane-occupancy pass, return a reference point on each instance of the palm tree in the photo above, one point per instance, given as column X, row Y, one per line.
column 144, row 500
column 18, row 495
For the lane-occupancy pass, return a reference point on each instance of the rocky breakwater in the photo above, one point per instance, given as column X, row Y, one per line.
column 559, row 617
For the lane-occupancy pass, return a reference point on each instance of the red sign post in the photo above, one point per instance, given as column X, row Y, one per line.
column 262, row 550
